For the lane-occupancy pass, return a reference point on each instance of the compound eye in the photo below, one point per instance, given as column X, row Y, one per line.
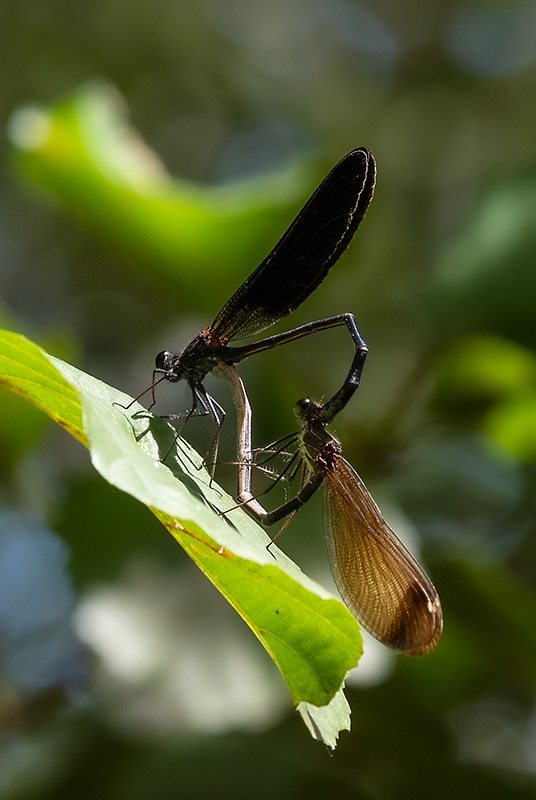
column 301, row 409
column 306, row 410
column 162, row 360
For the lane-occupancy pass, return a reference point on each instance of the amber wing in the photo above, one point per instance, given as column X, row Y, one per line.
column 377, row 577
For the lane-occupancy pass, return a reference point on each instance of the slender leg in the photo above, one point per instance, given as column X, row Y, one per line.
column 291, row 506
column 209, row 407
column 245, row 497
column 325, row 415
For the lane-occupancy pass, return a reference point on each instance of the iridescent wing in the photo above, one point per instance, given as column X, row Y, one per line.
column 303, row 256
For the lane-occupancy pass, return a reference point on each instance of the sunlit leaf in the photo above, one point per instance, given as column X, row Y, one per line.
column 487, row 364
column 484, row 279
column 327, row 722
column 25, row 370
column 84, row 153
column 502, row 375
column 310, row 635
column 512, row 424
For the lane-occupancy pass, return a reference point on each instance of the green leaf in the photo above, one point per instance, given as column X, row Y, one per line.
column 484, row 278
column 327, row 722
column 85, row 154
column 310, row 635
column 25, row 370
column 470, row 365
column 512, row 423
column 502, row 375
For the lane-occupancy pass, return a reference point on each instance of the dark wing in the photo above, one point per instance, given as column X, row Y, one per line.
column 378, row 579
column 301, row 259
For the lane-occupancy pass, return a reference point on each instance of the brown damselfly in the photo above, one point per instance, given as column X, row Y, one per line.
column 377, row 577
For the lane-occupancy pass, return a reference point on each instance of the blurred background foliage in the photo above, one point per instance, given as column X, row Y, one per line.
column 123, row 672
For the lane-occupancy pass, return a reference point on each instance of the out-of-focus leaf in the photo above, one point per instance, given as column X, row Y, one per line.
column 310, row 635
column 487, row 365
column 512, row 424
column 20, row 426
column 485, row 279
column 501, row 376
column 84, row 152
